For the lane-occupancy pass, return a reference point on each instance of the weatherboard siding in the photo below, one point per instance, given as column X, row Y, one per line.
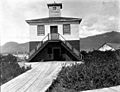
column 73, row 36
column 74, row 32
column 33, row 33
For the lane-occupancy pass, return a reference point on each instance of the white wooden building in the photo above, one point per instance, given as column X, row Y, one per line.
column 55, row 31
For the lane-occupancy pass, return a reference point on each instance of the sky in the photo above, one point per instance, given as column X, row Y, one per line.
column 98, row 16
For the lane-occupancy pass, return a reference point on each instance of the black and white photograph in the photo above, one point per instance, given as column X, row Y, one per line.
column 59, row 45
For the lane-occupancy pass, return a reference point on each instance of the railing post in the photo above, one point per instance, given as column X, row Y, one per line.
column 51, row 36
column 41, row 42
column 48, row 36
column 72, row 48
column 58, row 37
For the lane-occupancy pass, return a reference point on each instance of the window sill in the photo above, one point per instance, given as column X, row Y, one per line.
column 66, row 34
column 41, row 35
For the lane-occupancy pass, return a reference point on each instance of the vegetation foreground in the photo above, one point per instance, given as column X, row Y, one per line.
column 100, row 69
column 9, row 68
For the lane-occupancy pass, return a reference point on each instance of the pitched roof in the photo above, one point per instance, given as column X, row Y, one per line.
column 114, row 45
column 54, row 20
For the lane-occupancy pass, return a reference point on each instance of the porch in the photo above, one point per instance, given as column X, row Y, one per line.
column 55, row 47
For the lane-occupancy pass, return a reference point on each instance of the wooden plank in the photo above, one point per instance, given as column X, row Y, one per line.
column 19, row 81
column 38, row 79
column 32, row 81
column 41, row 85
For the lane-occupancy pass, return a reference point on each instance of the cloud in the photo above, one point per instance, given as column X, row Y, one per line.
column 97, row 24
column 85, row 33
column 111, row 18
column 112, row 8
column 101, row 22
column 97, row 15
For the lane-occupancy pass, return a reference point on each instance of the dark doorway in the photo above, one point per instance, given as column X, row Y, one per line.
column 56, row 54
column 54, row 33
column 53, row 29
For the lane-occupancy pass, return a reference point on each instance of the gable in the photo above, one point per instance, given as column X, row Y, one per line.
column 106, row 47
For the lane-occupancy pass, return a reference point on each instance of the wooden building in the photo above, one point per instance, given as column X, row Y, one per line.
column 109, row 46
column 54, row 37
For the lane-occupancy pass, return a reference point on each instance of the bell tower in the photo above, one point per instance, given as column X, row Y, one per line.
column 55, row 9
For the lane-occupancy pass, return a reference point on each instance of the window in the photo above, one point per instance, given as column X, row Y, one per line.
column 66, row 29
column 40, row 30
column 54, row 8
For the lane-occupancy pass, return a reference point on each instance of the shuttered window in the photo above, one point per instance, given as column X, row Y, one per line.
column 40, row 30
column 66, row 29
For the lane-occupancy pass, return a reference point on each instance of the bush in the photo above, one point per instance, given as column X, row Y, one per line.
column 9, row 68
column 101, row 69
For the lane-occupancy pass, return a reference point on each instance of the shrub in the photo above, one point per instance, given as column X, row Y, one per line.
column 101, row 69
column 10, row 68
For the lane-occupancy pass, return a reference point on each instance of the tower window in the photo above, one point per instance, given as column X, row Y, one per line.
column 40, row 30
column 66, row 29
column 54, row 8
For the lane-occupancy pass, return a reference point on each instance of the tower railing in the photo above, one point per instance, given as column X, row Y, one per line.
column 55, row 36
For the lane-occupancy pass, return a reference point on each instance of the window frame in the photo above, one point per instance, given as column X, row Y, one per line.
column 66, row 29
column 54, row 8
column 40, row 30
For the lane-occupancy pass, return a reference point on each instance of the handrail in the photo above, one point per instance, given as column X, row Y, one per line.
column 55, row 37
column 32, row 52
column 61, row 37
column 69, row 45
column 45, row 38
column 38, row 46
column 75, row 51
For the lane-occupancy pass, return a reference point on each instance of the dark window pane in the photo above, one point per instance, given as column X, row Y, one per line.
column 66, row 29
column 40, row 30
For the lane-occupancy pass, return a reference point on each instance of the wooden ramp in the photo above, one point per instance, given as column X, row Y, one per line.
column 38, row 79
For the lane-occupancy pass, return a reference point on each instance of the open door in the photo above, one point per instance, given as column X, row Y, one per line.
column 53, row 29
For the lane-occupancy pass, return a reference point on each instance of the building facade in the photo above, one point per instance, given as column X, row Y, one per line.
column 54, row 30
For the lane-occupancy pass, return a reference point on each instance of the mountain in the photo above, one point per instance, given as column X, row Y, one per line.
column 94, row 42
column 88, row 43
column 13, row 47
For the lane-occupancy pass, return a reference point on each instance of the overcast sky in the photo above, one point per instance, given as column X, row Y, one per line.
column 98, row 16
